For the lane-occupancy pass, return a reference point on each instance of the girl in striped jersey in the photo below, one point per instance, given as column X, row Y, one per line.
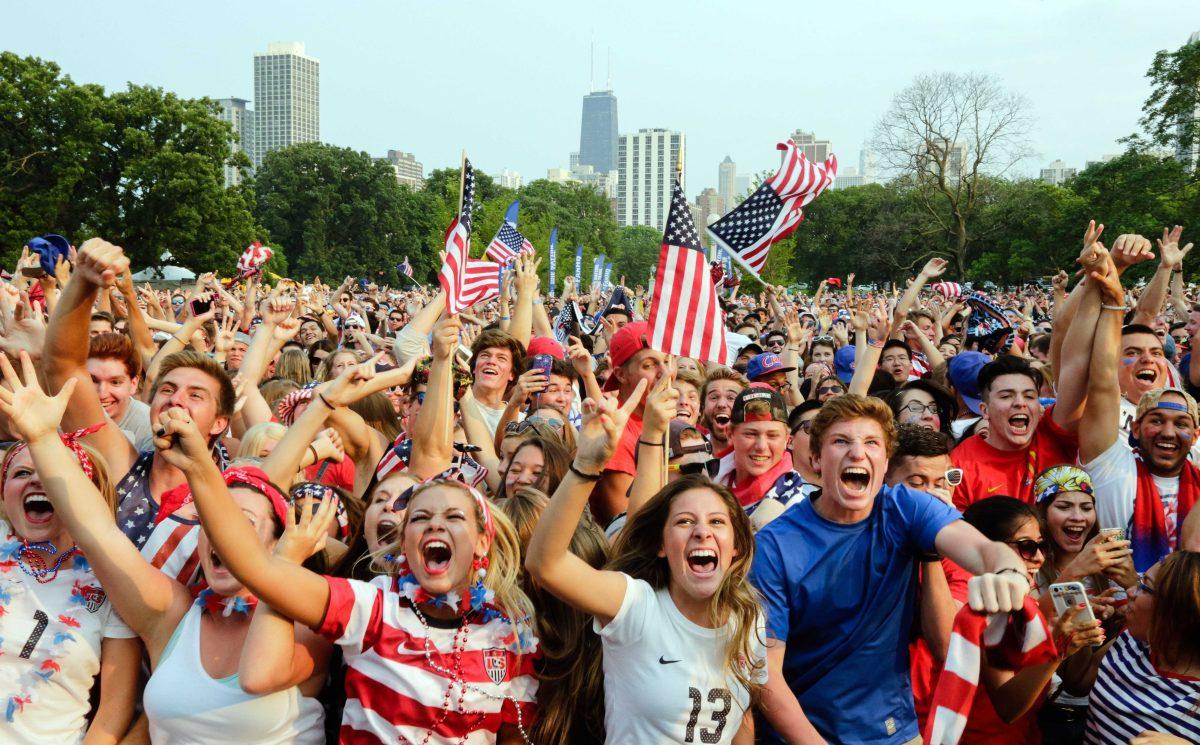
column 1147, row 688
column 680, row 625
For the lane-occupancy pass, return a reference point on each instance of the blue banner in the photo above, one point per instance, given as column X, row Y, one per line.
column 510, row 215
column 553, row 257
column 607, row 283
column 597, row 268
column 579, row 268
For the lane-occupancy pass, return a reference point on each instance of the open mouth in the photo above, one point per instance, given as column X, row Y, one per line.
column 1168, row 447
column 1019, row 424
column 855, row 479
column 436, row 555
column 38, row 509
column 386, row 531
column 215, row 561
column 1073, row 534
column 702, row 561
column 489, row 370
column 1148, row 376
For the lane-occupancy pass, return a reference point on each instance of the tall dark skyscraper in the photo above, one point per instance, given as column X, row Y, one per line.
column 598, row 131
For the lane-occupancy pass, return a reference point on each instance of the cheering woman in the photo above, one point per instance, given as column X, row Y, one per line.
column 681, row 628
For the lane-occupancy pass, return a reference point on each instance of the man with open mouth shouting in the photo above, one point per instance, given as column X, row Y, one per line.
column 837, row 573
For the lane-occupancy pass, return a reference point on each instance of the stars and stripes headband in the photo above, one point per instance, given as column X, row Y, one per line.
column 289, row 403
column 321, row 492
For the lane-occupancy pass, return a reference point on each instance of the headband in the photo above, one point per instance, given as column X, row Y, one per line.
column 1172, row 405
column 321, row 492
column 450, row 476
column 1061, row 479
column 71, row 440
column 251, row 476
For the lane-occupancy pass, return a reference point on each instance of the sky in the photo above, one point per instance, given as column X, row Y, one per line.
column 505, row 80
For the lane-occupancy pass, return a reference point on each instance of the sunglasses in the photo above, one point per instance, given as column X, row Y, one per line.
column 710, row 466
column 954, row 476
column 176, row 301
column 1142, row 586
column 1029, row 548
column 519, row 428
column 805, row 427
column 829, row 389
column 824, row 338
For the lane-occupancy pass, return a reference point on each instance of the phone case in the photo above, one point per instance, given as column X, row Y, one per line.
column 1067, row 595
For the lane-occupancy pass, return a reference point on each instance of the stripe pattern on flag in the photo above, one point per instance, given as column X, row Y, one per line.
column 774, row 210
column 508, row 244
column 466, row 281
column 685, row 317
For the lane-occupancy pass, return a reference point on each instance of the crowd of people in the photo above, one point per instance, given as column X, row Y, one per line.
column 264, row 510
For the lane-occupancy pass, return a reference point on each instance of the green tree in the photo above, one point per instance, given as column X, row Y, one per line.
column 635, row 254
column 1169, row 113
column 1029, row 229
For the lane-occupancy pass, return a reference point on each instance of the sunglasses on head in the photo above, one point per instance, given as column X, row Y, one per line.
column 710, row 466
column 1029, row 548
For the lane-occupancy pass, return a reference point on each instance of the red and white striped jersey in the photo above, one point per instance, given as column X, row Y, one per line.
column 394, row 693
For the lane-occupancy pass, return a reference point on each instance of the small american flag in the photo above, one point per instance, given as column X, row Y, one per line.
column 405, row 268
column 947, row 289
column 252, row 259
column 466, row 281
column 685, row 318
column 773, row 211
column 508, row 244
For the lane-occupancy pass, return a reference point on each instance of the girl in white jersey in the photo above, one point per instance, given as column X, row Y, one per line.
column 684, row 651
column 202, row 687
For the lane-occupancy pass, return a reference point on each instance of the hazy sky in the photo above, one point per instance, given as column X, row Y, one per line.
column 504, row 80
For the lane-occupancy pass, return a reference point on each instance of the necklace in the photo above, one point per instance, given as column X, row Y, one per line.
column 36, row 564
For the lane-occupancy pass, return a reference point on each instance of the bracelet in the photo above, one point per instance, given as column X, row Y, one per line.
column 794, row 349
column 1020, row 573
column 316, row 458
column 505, row 318
column 873, row 343
column 1120, row 308
column 176, row 338
column 325, row 401
column 582, row 475
column 539, row 301
column 651, row 444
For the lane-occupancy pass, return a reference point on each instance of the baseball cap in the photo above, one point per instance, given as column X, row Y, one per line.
column 765, row 364
column 963, row 370
column 759, row 392
column 677, row 428
column 628, row 341
column 1153, row 400
column 545, row 345
column 843, row 363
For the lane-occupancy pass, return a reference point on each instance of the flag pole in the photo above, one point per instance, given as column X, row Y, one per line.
column 462, row 176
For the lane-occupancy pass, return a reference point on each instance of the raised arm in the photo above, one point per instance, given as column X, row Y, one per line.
column 1101, row 422
column 876, row 330
column 933, row 268
column 1154, row 296
column 1077, row 345
column 433, row 428
column 140, row 593
column 66, row 351
column 1065, row 313
column 661, row 403
column 548, row 559
column 527, row 288
column 288, row 588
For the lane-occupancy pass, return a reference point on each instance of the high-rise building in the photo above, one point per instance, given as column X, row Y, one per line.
column 1101, row 160
column 598, row 131
column 234, row 111
column 727, row 183
column 409, row 171
column 647, row 162
column 1057, row 173
column 1190, row 156
column 868, row 166
column 847, row 176
column 741, row 190
column 815, row 150
column 507, row 179
column 287, row 98
column 710, row 206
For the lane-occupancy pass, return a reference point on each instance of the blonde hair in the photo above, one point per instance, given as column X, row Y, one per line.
column 101, row 478
column 504, row 556
column 255, row 437
column 293, row 365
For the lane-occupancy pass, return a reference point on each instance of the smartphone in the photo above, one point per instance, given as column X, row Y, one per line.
column 200, row 305
column 33, row 272
column 542, row 363
column 1067, row 595
column 1112, row 534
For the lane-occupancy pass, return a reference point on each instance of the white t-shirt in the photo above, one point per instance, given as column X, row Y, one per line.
column 58, row 624
column 1114, row 478
column 136, row 422
column 490, row 416
column 665, row 678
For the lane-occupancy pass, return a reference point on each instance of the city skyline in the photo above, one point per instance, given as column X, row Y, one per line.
column 524, row 116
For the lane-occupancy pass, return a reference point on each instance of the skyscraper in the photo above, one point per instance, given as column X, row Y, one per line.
column 598, row 131
column 815, row 150
column 409, row 171
column 1057, row 173
column 710, row 205
column 647, row 162
column 234, row 111
column 287, row 98
column 727, row 183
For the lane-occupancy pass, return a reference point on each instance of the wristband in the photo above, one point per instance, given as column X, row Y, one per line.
column 316, row 458
column 325, row 401
column 539, row 301
column 505, row 318
column 651, row 444
column 1120, row 308
column 584, row 476
column 873, row 343
column 1020, row 573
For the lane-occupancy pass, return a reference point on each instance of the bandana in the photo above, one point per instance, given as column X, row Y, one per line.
column 321, row 492
column 71, row 440
column 1061, row 479
column 947, row 289
column 1011, row 641
column 252, row 259
column 251, row 476
column 288, row 404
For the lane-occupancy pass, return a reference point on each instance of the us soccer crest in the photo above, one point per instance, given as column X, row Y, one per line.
column 495, row 662
column 91, row 596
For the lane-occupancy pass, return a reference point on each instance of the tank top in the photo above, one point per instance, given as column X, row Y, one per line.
column 186, row 705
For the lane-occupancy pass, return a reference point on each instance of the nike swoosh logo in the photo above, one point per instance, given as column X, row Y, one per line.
column 993, row 488
column 664, row 661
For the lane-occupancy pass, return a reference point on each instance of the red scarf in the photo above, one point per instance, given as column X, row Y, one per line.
column 1010, row 640
column 748, row 491
column 1149, row 529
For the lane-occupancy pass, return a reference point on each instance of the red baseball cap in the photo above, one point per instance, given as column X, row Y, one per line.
column 628, row 341
column 545, row 345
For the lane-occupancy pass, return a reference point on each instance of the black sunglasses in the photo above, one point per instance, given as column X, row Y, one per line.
column 712, row 465
column 1028, row 548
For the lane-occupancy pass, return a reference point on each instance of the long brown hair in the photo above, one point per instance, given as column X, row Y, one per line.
column 735, row 601
column 555, row 462
column 1175, row 622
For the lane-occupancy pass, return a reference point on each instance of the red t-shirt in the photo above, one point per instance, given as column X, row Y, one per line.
column 990, row 472
column 337, row 474
column 624, row 459
column 984, row 725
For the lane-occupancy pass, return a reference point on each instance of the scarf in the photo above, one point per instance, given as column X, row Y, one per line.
column 1010, row 640
column 749, row 491
column 1149, row 529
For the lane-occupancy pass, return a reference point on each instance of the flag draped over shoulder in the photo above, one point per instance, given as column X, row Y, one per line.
column 685, row 319
column 774, row 210
column 466, row 281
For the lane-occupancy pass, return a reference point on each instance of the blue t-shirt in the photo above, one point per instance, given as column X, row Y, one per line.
column 841, row 597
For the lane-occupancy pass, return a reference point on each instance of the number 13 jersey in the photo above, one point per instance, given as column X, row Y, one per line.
column 664, row 676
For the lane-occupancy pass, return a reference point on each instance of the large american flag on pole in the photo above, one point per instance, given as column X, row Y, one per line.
column 466, row 281
column 774, row 210
column 685, row 318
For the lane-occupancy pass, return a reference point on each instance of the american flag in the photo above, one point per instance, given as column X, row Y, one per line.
column 466, row 281
column 405, row 268
column 252, row 259
column 774, row 210
column 685, row 318
column 508, row 244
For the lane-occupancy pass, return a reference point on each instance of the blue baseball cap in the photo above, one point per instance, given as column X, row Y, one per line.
column 963, row 370
column 843, row 363
column 765, row 364
column 49, row 248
